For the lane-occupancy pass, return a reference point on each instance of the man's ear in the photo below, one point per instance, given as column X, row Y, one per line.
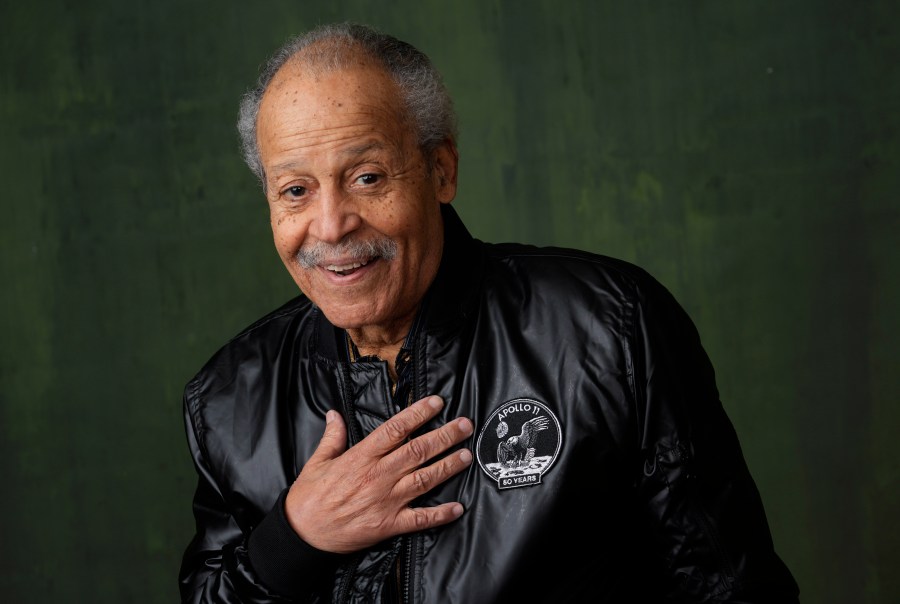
column 444, row 164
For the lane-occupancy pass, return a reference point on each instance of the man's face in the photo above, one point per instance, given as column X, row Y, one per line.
column 343, row 170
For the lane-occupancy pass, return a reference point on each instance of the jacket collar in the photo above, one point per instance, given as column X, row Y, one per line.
column 449, row 300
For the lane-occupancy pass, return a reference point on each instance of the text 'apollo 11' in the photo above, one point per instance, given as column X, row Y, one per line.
column 519, row 443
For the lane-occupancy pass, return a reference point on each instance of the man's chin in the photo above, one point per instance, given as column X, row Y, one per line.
column 351, row 318
column 367, row 322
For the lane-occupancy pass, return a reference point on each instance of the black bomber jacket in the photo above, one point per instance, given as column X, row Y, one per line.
column 606, row 469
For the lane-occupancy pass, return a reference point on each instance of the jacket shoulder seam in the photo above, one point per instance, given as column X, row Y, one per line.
column 290, row 308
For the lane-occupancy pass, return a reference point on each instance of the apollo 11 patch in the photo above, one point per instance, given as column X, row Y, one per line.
column 519, row 443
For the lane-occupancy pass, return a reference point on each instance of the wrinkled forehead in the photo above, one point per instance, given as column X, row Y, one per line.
column 326, row 78
column 357, row 89
column 306, row 113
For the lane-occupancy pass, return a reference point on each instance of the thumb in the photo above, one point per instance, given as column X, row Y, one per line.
column 334, row 439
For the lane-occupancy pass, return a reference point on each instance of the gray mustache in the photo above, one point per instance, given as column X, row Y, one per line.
column 308, row 257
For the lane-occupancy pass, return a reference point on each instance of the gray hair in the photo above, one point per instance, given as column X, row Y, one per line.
column 332, row 47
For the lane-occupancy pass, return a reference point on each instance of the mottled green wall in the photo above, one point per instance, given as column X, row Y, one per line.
column 746, row 153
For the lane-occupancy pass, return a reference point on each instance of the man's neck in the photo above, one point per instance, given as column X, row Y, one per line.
column 380, row 343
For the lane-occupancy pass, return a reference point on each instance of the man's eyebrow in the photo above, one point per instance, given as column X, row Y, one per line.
column 360, row 149
column 290, row 166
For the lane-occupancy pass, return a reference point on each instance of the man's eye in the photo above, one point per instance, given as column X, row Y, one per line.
column 368, row 179
column 296, row 191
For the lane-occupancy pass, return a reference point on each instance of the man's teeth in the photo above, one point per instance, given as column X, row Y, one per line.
column 340, row 268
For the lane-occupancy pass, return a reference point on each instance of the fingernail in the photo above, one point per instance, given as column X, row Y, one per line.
column 329, row 416
column 436, row 402
column 465, row 456
column 458, row 510
column 465, row 426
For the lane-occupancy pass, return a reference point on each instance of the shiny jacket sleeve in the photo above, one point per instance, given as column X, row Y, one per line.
column 707, row 518
column 231, row 559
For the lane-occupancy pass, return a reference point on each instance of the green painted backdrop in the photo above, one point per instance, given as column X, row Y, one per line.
column 744, row 152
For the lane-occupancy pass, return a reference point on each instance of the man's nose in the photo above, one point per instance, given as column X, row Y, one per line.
column 336, row 217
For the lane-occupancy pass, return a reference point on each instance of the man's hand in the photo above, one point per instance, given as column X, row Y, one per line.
column 347, row 499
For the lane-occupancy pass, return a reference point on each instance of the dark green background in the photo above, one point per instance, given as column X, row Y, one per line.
column 746, row 153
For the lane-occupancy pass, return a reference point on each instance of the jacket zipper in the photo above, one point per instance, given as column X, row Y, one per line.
column 416, row 392
column 347, row 579
column 405, row 569
column 403, row 575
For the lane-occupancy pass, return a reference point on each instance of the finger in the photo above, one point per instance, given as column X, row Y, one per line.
column 389, row 435
column 417, row 519
column 422, row 480
column 422, row 448
column 334, row 439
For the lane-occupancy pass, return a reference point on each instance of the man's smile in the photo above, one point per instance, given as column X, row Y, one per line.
column 344, row 269
column 348, row 268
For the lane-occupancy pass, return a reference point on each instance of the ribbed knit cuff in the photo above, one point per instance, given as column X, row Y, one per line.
column 284, row 562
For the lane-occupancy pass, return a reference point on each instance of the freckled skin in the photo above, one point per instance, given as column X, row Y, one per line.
column 341, row 161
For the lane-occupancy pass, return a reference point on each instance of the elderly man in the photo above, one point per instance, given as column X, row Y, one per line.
column 437, row 419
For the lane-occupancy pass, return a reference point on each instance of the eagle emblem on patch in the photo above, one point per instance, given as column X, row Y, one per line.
column 518, row 443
